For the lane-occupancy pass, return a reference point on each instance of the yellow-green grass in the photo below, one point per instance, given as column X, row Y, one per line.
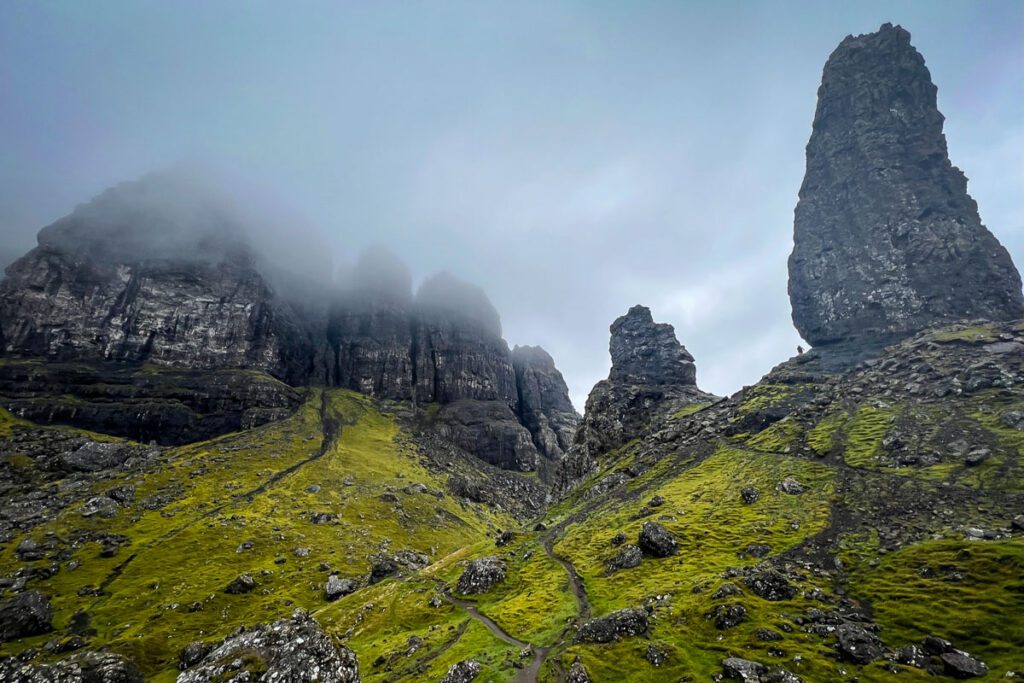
column 713, row 527
column 186, row 553
column 980, row 611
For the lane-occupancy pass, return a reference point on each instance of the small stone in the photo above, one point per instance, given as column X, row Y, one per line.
column 337, row 587
column 750, row 495
column 791, row 486
column 628, row 557
column 961, row 665
column 243, row 584
column 728, row 616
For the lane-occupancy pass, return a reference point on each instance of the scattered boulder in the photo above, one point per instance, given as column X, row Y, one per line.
column 337, row 587
column 656, row 540
column 791, row 486
column 770, row 584
column 244, row 583
column 726, row 590
column 481, row 575
column 961, row 665
column 750, row 495
column 504, row 538
column 83, row 667
column 615, row 626
column 192, row 654
column 757, row 550
column 618, row 539
column 462, row 672
column 856, row 644
column 295, row 650
column 742, row 670
column 100, row 506
column 26, row 614
column 577, row 672
column 656, row 655
column 628, row 557
column 1018, row 523
column 728, row 616
column 912, row 655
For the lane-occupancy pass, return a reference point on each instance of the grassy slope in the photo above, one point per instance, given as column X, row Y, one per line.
column 186, row 553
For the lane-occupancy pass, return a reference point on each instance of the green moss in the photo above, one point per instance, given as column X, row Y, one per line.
column 779, row 437
column 822, row 437
column 980, row 608
column 762, row 396
column 864, row 434
column 689, row 410
column 253, row 486
column 968, row 334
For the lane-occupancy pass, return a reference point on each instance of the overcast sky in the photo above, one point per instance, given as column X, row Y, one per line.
column 572, row 158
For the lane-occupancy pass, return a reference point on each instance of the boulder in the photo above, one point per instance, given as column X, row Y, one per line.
column 83, row 667
column 615, row 626
column 770, row 584
column 656, row 540
column 296, row 650
column 628, row 557
column 856, row 644
column 26, row 614
column 337, row 587
column 961, row 665
column 462, row 672
column 480, row 575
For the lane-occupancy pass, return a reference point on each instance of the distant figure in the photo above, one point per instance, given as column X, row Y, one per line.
column 799, row 350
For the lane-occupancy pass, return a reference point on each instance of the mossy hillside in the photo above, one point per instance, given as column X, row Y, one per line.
column 380, row 622
column 704, row 511
column 688, row 410
column 971, row 593
column 252, row 487
column 763, row 396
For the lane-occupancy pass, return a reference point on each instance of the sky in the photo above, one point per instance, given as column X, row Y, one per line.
column 571, row 158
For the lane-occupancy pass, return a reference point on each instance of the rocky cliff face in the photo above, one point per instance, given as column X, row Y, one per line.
column 887, row 241
column 652, row 375
column 158, row 272
column 544, row 405
column 108, row 283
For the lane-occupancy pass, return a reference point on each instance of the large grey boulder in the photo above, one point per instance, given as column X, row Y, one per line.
column 887, row 241
column 25, row 614
column 296, row 650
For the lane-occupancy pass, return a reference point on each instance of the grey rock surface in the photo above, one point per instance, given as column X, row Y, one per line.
column 887, row 241
column 295, row 650
column 481, row 574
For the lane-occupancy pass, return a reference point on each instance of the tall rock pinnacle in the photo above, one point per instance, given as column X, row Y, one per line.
column 652, row 375
column 887, row 241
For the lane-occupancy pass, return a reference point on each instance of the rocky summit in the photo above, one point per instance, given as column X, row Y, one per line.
column 203, row 480
column 887, row 241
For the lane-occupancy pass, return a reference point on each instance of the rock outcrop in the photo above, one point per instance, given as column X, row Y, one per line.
column 544, row 405
column 295, row 649
column 116, row 280
column 887, row 241
column 158, row 274
column 652, row 375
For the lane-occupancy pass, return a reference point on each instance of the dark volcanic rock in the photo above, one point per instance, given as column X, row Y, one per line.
column 577, row 672
column 615, row 626
column 961, row 665
column 295, row 649
column 490, row 431
column 481, row 575
column 85, row 667
column 459, row 352
column 26, row 614
column 770, row 584
column 462, row 672
column 656, row 540
column 856, row 644
column 628, row 557
column 544, row 405
column 887, row 240
column 117, row 280
column 652, row 375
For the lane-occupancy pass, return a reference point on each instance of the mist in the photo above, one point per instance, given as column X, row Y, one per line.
column 570, row 159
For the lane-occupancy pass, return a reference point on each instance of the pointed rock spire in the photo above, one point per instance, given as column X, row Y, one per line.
column 887, row 241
